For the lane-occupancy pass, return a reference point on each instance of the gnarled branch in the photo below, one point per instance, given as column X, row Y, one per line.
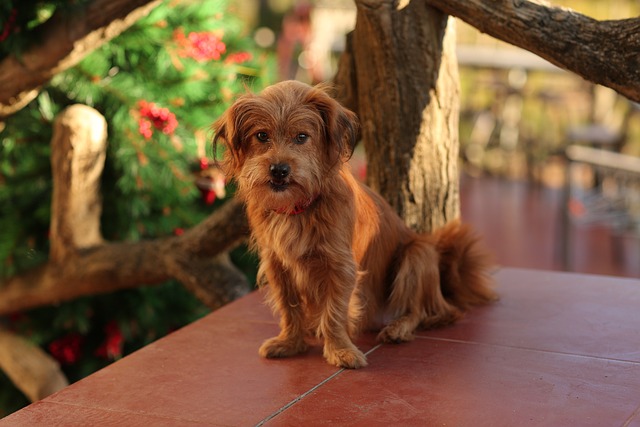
column 82, row 264
column 30, row 369
column 114, row 266
column 65, row 40
column 604, row 52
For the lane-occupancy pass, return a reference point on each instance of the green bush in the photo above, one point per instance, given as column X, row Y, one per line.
column 160, row 85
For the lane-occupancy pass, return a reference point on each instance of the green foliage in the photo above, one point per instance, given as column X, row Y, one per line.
column 160, row 85
column 20, row 19
column 10, row 399
column 25, row 191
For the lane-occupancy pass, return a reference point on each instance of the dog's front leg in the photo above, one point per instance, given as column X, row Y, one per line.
column 286, row 302
column 338, row 283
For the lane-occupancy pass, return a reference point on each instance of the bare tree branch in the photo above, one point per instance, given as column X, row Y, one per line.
column 78, row 151
column 30, row 369
column 114, row 266
column 604, row 52
column 80, row 263
column 65, row 40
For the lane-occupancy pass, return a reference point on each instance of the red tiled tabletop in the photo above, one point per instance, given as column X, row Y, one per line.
column 558, row 349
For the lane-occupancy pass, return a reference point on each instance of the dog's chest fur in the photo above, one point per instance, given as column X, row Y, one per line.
column 335, row 243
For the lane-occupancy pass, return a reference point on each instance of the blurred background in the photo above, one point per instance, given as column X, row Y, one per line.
column 539, row 201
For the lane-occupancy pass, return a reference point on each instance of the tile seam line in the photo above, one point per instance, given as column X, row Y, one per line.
column 632, row 417
column 538, row 350
column 308, row 392
column 124, row 411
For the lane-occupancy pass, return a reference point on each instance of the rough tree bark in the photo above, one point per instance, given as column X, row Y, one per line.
column 82, row 264
column 65, row 40
column 604, row 52
column 400, row 75
column 78, row 152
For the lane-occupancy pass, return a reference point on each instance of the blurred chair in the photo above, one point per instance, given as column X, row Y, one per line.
column 607, row 126
column 602, row 187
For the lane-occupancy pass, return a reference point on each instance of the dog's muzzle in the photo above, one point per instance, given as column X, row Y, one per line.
column 279, row 176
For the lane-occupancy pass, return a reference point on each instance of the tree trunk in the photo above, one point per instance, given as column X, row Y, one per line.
column 604, row 52
column 407, row 97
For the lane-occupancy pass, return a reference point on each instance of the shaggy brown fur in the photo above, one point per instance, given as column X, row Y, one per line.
column 334, row 254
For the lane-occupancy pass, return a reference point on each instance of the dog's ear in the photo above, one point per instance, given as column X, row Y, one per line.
column 228, row 131
column 340, row 124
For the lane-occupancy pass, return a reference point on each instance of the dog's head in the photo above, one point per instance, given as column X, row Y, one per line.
column 281, row 144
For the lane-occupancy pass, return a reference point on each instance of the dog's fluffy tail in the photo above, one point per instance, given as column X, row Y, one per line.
column 454, row 255
column 464, row 266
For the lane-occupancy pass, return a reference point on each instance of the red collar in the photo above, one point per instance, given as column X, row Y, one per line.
column 300, row 207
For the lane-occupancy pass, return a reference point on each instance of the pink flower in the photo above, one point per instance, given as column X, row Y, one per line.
column 201, row 46
column 144, row 127
column 160, row 118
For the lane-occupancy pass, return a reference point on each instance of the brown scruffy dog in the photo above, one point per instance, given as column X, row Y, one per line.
column 335, row 255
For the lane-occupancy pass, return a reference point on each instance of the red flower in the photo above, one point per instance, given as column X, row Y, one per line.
column 208, row 196
column 144, row 127
column 202, row 46
column 67, row 350
column 111, row 348
column 204, row 163
column 9, row 26
column 238, row 57
column 160, row 118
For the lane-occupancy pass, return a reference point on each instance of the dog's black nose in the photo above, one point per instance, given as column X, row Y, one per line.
column 280, row 171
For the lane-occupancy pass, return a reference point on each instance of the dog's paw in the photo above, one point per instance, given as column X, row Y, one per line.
column 350, row 358
column 397, row 332
column 278, row 347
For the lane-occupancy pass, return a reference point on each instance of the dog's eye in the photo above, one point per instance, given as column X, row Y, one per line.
column 301, row 138
column 262, row 136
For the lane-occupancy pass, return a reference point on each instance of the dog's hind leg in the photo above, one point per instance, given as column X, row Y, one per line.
column 416, row 297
